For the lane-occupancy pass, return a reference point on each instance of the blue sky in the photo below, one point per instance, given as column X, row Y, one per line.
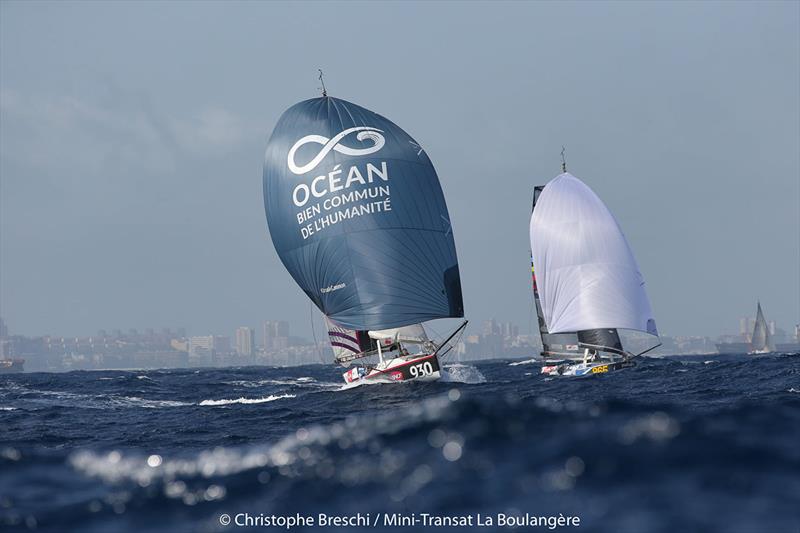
column 132, row 138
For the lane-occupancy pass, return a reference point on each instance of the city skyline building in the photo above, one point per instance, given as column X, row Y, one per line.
column 274, row 334
column 245, row 341
column 201, row 347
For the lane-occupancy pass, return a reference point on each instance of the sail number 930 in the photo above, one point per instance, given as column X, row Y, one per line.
column 421, row 369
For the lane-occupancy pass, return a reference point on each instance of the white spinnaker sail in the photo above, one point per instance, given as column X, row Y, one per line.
column 586, row 274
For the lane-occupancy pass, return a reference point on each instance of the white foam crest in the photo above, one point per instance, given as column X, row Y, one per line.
column 270, row 398
column 99, row 401
column 298, row 382
column 458, row 373
column 143, row 402
column 525, row 362
column 7, row 408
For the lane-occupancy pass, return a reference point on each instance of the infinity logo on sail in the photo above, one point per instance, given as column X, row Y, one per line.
column 365, row 133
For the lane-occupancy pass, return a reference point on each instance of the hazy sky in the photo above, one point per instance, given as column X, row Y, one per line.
column 132, row 139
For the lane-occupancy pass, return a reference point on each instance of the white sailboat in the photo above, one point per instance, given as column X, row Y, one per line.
column 389, row 355
column 586, row 282
column 761, row 341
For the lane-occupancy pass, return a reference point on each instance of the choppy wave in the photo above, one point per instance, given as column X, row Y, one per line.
column 647, row 449
column 302, row 381
column 135, row 401
column 269, row 398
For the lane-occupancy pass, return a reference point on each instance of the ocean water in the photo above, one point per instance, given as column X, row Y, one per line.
column 707, row 443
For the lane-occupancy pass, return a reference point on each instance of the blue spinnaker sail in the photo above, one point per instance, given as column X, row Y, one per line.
column 358, row 217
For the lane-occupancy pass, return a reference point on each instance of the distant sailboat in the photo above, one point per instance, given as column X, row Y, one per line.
column 586, row 283
column 761, row 341
column 359, row 219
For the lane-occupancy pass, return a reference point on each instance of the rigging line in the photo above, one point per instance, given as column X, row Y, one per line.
column 453, row 343
column 314, row 332
column 460, row 331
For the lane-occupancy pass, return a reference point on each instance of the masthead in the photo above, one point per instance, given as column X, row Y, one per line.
column 322, row 80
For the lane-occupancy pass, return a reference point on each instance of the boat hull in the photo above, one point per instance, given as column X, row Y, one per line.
column 407, row 368
column 11, row 366
column 586, row 369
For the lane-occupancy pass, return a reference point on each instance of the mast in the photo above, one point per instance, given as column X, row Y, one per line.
column 322, row 81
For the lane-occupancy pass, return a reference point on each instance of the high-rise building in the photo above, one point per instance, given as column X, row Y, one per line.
column 245, row 341
column 491, row 327
column 3, row 329
column 746, row 326
column 266, row 335
column 201, row 347
column 222, row 344
column 282, row 329
column 275, row 335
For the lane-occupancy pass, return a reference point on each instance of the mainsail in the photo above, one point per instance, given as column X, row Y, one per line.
column 587, row 281
column 762, row 340
column 554, row 345
column 358, row 218
column 348, row 344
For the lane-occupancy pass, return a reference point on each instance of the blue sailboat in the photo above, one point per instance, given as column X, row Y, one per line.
column 358, row 218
